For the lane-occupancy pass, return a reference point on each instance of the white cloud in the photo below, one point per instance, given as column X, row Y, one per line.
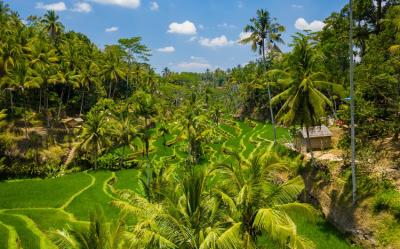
column 169, row 49
column 193, row 65
column 133, row 4
column 221, row 41
column 185, row 28
column 244, row 35
column 112, row 29
column 154, row 6
column 60, row 6
column 314, row 26
column 82, row 7
column 296, row 6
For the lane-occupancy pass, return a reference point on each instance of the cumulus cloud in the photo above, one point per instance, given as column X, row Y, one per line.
column 112, row 29
column 82, row 7
column 314, row 26
column 193, row 38
column 169, row 49
column 60, row 6
column 154, row 6
column 185, row 28
column 221, row 41
column 133, row 4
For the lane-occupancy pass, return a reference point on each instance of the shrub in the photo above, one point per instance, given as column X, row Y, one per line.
column 388, row 201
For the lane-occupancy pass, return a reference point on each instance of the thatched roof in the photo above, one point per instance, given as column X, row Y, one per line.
column 316, row 131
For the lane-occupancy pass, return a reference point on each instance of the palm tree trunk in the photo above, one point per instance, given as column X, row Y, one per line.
column 46, row 106
column 11, row 102
column 40, row 100
column 309, row 147
column 69, row 93
column 269, row 94
column 25, row 118
column 82, row 99
column 147, row 157
column 61, row 102
column 115, row 88
column 109, row 90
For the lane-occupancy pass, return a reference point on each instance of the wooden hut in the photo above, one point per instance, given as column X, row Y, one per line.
column 320, row 138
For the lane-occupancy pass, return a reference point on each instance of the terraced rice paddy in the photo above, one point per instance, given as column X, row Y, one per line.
column 31, row 208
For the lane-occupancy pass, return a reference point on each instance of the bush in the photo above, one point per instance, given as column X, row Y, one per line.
column 388, row 201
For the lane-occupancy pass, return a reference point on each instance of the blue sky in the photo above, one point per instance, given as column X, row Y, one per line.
column 184, row 35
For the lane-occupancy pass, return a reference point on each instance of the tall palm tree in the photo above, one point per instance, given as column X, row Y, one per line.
column 95, row 135
column 304, row 102
column 52, row 24
column 145, row 108
column 21, row 79
column 113, row 70
column 86, row 76
column 265, row 32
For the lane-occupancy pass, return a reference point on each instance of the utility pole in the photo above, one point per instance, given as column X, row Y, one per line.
column 351, row 76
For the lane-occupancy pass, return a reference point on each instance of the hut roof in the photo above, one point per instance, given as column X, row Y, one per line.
column 316, row 131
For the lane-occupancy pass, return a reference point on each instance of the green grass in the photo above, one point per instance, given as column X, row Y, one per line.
column 4, row 233
column 40, row 193
column 34, row 207
column 93, row 197
column 27, row 236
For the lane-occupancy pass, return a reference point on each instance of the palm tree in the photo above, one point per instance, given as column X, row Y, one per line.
column 265, row 32
column 188, row 217
column 87, row 76
column 145, row 108
column 95, row 135
column 52, row 25
column 304, row 102
column 99, row 234
column 21, row 79
column 256, row 197
column 113, row 70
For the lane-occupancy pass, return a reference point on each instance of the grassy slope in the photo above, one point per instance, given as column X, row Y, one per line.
column 62, row 200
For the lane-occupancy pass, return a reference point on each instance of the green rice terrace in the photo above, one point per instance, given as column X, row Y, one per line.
column 29, row 209
column 182, row 124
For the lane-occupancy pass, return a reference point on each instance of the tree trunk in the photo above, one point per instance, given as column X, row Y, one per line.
column 109, row 90
column 25, row 119
column 269, row 94
column 46, row 106
column 82, row 99
column 115, row 88
column 11, row 102
column 40, row 100
column 69, row 93
column 61, row 102
column 309, row 147
column 147, row 158
column 378, row 15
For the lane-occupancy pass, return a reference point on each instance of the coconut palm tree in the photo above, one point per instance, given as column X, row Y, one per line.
column 85, row 77
column 113, row 70
column 21, row 80
column 52, row 25
column 95, row 135
column 188, row 217
column 145, row 108
column 304, row 100
column 258, row 198
column 265, row 32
